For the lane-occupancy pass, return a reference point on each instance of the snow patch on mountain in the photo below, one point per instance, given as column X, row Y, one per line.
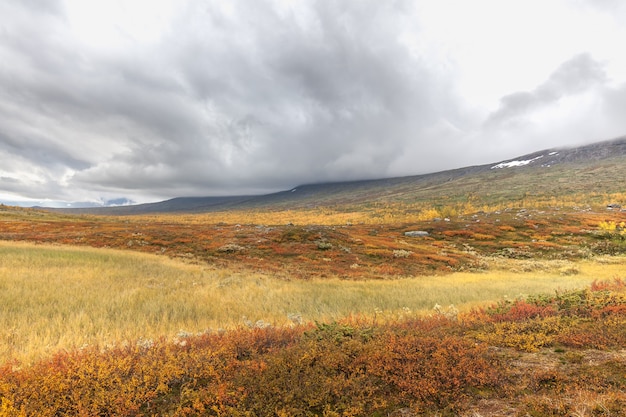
column 512, row 164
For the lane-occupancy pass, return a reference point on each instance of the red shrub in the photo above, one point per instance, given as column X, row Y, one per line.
column 521, row 310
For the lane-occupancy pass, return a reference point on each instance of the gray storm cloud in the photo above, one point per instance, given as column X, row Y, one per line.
column 247, row 97
column 254, row 99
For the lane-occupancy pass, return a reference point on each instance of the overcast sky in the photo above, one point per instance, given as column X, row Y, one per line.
column 148, row 100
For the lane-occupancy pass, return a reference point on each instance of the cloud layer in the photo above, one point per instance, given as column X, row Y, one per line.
column 213, row 98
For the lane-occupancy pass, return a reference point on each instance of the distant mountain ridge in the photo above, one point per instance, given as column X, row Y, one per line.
column 600, row 166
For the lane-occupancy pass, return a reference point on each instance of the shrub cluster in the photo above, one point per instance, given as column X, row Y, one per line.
column 588, row 318
column 338, row 369
column 430, row 365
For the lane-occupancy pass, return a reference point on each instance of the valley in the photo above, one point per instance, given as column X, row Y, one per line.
column 485, row 291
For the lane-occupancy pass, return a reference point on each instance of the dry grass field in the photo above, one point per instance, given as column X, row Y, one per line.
column 62, row 298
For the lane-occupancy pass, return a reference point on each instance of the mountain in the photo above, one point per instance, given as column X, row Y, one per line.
column 552, row 173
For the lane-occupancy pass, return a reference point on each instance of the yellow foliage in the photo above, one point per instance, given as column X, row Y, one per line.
column 528, row 336
column 613, row 228
column 607, row 226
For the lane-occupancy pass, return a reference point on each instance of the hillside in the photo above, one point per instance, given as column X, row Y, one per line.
column 563, row 172
column 550, row 205
column 545, row 205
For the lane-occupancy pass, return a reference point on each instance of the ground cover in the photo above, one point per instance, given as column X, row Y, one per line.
column 95, row 323
column 62, row 297
column 306, row 247
column 545, row 355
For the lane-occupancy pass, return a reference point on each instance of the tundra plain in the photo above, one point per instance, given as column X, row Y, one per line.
column 480, row 293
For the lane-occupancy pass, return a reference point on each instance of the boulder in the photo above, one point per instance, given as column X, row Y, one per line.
column 416, row 233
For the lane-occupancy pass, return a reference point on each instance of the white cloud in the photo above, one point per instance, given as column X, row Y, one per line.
column 577, row 75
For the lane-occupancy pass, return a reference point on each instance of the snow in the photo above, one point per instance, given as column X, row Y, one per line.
column 512, row 164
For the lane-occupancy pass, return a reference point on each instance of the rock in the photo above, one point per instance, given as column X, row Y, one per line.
column 416, row 233
column 230, row 248
column 323, row 245
column 613, row 206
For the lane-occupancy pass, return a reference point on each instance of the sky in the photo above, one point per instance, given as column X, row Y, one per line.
column 115, row 101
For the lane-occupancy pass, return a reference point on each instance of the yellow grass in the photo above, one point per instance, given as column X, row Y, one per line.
column 54, row 298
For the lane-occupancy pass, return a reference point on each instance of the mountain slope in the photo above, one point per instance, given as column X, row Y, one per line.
column 551, row 173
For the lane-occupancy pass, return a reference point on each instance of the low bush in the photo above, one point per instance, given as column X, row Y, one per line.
column 429, row 365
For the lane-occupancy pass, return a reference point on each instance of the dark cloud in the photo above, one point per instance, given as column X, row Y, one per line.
column 39, row 149
column 245, row 96
column 330, row 96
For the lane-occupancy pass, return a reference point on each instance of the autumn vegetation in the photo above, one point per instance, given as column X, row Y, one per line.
column 497, row 309
column 551, row 355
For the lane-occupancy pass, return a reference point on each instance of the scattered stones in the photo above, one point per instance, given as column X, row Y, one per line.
column 401, row 253
column 416, row 233
column 323, row 245
column 230, row 248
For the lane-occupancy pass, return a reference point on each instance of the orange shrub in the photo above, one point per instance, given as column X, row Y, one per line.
column 459, row 233
column 438, row 372
column 482, row 236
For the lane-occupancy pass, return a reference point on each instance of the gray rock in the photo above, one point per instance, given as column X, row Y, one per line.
column 416, row 233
